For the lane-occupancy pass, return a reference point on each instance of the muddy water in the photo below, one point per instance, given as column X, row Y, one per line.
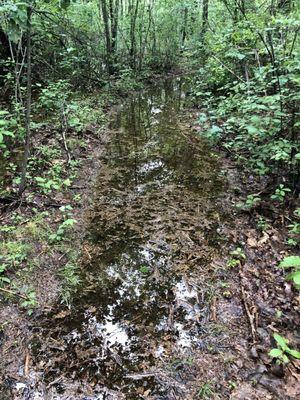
column 153, row 234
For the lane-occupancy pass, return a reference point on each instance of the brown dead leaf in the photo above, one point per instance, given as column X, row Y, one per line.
column 252, row 242
column 62, row 314
column 264, row 239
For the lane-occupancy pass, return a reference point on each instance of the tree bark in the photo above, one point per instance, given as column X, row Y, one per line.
column 107, row 36
column 134, row 7
column 204, row 20
column 114, row 20
column 184, row 28
column 28, row 104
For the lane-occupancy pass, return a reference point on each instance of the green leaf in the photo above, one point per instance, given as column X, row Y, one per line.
column 4, row 279
column 144, row 269
column 285, row 358
column 252, row 130
column 67, row 182
column 291, row 261
column 295, row 277
column 294, row 353
column 39, row 179
column 3, row 268
column 281, row 341
column 275, row 353
column 69, row 222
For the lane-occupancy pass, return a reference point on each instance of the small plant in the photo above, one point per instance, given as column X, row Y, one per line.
column 280, row 193
column 292, row 262
column 237, row 256
column 66, row 209
column 232, row 385
column 282, row 352
column 8, row 129
column 144, row 269
column 30, row 303
column 294, row 233
column 70, row 281
column 60, row 233
column 262, row 224
column 251, row 201
column 238, row 253
column 233, row 262
column 77, row 198
column 53, row 97
column 206, row 391
column 3, row 279
column 14, row 252
column 48, row 184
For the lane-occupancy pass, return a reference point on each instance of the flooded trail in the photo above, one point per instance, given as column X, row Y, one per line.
column 144, row 311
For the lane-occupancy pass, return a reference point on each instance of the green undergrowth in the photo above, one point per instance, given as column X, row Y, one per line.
column 22, row 238
column 62, row 123
column 70, row 280
column 39, row 238
column 251, row 126
column 35, row 243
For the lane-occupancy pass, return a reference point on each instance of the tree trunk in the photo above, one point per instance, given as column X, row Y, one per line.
column 114, row 18
column 107, row 36
column 184, row 28
column 204, row 20
column 133, row 17
column 28, row 104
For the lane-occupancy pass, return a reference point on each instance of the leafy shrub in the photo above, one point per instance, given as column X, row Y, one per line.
column 282, row 352
column 292, row 262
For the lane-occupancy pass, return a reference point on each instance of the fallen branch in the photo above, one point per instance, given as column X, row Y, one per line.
column 213, row 309
column 228, row 69
column 251, row 316
column 27, row 361
column 14, row 293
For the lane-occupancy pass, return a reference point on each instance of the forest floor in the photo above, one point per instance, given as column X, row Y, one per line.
column 162, row 289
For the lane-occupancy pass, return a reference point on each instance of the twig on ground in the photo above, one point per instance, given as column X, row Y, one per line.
column 14, row 293
column 213, row 310
column 251, row 316
column 27, row 360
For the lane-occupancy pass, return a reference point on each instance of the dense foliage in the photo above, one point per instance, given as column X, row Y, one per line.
column 251, row 90
column 245, row 59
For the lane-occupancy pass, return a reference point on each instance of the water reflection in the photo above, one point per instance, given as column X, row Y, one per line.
column 137, row 299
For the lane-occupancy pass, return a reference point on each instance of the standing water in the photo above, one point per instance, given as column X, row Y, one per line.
column 143, row 304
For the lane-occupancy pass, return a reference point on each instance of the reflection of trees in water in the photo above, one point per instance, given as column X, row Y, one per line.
column 148, row 147
column 149, row 130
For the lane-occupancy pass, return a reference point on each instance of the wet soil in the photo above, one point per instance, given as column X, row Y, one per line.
column 157, row 314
